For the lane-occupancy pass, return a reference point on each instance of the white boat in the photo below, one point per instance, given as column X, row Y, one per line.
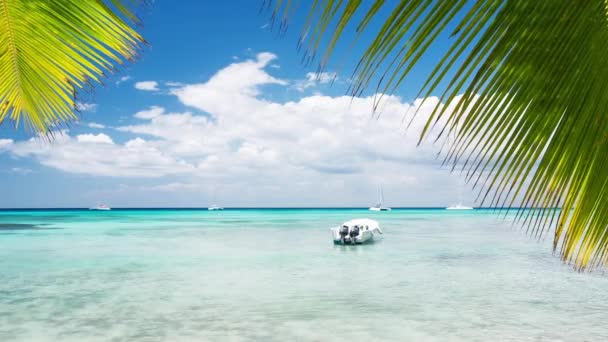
column 459, row 206
column 356, row 231
column 100, row 207
column 380, row 205
column 214, row 200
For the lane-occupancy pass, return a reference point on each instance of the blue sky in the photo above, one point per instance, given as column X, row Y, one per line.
column 220, row 110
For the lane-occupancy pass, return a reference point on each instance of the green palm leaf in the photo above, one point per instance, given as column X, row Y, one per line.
column 533, row 116
column 51, row 49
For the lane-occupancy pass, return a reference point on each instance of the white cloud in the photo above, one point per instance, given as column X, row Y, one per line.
column 174, row 84
column 147, row 85
column 150, row 113
column 313, row 79
column 322, row 78
column 123, row 79
column 319, row 134
column 254, row 148
column 173, row 187
column 94, row 138
column 97, row 155
column 85, row 107
column 5, row 143
column 235, row 86
column 95, row 125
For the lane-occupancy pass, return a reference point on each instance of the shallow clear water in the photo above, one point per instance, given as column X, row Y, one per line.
column 274, row 275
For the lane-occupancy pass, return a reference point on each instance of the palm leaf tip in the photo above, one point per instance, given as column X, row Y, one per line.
column 50, row 50
column 526, row 82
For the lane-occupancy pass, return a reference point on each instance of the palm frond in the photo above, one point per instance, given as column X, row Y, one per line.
column 531, row 123
column 49, row 50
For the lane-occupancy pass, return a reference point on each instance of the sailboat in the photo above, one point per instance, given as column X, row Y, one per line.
column 215, row 206
column 459, row 205
column 380, row 205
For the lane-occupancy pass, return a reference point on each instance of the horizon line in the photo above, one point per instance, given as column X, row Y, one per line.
column 253, row 208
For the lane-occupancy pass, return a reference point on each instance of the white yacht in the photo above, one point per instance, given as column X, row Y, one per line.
column 459, row 206
column 380, row 205
column 356, row 231
column 215, row 207
column 100, row 207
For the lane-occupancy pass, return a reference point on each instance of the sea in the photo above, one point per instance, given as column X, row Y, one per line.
column 275, row 275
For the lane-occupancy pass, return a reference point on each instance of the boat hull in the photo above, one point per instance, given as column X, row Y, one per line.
column 379, row 209
column 363, row 237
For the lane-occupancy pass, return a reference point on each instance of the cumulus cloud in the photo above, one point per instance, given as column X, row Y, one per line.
column 94, row 138
column 5, row 143
column 147, row 85
column 85, row 107
column 95, row 125
column 150, row 113
column 313, row 79
column 258, row 148
column 123, row 79
column 98, row 155
column 174, row 84
column 236, row 86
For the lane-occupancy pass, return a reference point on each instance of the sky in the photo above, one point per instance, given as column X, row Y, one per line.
column 220, row 110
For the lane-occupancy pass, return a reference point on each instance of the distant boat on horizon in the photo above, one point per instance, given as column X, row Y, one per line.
column 380, row 205
column 101, row 207
column 214, row 199
column 459, row 206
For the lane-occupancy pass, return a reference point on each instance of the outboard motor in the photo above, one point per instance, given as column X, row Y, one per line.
column 343, row 233
column 354, row 232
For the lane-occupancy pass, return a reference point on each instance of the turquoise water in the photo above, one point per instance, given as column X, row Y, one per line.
column 274, row 275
